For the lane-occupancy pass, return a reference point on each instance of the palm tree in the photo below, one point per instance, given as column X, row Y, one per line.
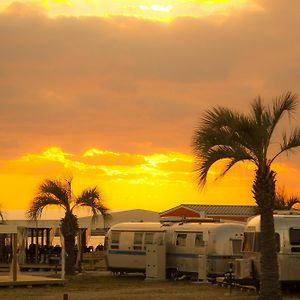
column 59, row 193
column 224, row 134
column 284, row 202
column 2, row 237
column 1, row 217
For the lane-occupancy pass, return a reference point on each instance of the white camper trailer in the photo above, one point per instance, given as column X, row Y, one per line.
column 287, row 230
column 219, row 243
column 126, row 245
column 186, row 245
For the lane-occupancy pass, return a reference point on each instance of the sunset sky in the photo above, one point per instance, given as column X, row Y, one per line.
column 110, row 92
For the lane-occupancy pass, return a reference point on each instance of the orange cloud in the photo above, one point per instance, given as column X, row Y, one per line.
column 88, row 84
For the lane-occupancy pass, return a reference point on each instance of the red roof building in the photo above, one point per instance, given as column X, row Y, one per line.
column 224, row 212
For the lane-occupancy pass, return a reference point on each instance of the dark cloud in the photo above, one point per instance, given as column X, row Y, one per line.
column 134, row 85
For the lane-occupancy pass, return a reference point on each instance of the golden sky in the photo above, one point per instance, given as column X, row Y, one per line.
column 159, row 10
column 111, row 92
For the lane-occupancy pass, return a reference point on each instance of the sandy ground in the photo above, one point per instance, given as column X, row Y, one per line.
column 104, row 286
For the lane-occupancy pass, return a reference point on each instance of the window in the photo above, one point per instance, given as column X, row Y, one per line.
column 199, row 239
column 236, row 246
column 115, row 239
column 248, row 241
column 181, row 239
column 295, row 236
column 149, row 236
column 252, row 242
column 138, row 240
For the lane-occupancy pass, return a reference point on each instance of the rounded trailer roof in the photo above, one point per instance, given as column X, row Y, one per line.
column 195, row 227
column 139, row 226
column 280, row 221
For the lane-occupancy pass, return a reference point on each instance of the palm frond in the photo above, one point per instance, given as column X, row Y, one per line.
column 50, row 192
column 92, row 199
column 223, row 134
column 285, row 103
column 57, row 189
column 39, row 203
column 283, row 202
column 216, row 128
column 288, row 143
column 221, row 152
column 292, row 201
column 257, row 111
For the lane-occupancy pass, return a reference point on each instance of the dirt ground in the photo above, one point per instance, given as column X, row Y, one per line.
column 102, row 285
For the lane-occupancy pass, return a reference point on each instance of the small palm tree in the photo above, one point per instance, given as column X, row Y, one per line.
column 224, row 134
column 59, row 193
column 284, row 202
column 1, row 217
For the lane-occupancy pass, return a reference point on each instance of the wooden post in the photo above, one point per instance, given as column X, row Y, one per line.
column 42, row 231
column 31, row 229
column 79, row 247
column 36, row 244
column 14, row 256
column 48, row 237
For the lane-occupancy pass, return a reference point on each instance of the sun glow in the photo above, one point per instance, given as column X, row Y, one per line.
column 155, row 181
column 158, row 10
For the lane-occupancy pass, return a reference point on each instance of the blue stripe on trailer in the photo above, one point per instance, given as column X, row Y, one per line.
column 127, row 252
column 193, row 255
column 188, row 255
column 185, row 255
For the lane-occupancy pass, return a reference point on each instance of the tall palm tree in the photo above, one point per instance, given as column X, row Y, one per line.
column 284, row 202
column 59, row 193
column 227, row 135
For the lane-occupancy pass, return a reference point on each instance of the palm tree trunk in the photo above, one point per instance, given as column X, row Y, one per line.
column 264, row 194
column 70, row 255
column 69, row 228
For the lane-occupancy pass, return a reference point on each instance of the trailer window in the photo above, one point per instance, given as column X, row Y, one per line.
column 248, row 241
column 115, row 239
column 295, row 236
column 149, row 236
column 236, row 246
column 181, row 239
column 138, row 240
column 199, row 242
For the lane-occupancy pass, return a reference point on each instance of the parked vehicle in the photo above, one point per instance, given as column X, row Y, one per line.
column 287, row 233
column 186, row 243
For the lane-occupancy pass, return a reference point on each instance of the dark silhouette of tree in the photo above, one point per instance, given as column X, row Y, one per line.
column 59, row 193
column 283, row 201
column 1, row 216
column 224, row 134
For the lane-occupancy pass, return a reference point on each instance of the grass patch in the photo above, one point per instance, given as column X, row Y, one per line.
column 96, row 286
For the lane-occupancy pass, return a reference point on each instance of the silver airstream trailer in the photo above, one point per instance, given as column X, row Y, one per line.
column 220, row 243
column 185, row 243
column 126, row 243
column 287, row 231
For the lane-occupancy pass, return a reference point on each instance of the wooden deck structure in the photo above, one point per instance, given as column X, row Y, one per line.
column 29, row 280
column 31, row 267
column 13, row 277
